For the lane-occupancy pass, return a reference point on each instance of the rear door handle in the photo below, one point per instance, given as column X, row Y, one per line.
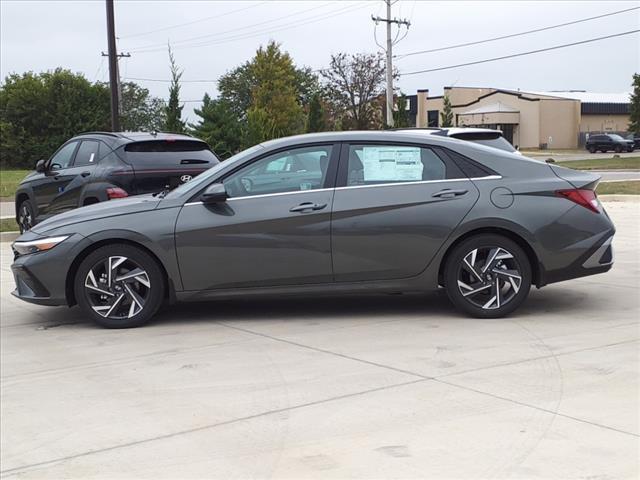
column 448, row 193
column 303, row 207
column 85, row 174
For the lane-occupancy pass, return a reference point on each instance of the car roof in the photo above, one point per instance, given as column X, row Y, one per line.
column 361, row 136
column 449, row 130
column 122, row 138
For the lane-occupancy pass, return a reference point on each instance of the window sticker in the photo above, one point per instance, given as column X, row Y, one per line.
column 396, row 164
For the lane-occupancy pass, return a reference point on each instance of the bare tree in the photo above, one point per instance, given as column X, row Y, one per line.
column 354, row 84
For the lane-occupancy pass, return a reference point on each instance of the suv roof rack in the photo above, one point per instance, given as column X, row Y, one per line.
column 109, row 134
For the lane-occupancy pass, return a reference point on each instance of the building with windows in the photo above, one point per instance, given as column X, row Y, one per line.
column 542, row 120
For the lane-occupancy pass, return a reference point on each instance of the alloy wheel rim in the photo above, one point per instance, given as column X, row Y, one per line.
column 25, row 218
column 489, row 277
column 117, row 288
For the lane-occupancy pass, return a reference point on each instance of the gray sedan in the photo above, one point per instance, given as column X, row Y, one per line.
column 327, row 213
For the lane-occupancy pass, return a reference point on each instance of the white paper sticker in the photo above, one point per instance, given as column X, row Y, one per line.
column 392, row 164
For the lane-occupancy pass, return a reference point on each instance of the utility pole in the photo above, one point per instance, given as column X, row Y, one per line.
column 118, row 87
column 114, row 77
column 390, row 43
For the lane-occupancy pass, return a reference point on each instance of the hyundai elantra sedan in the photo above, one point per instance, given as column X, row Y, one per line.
column 347, row 212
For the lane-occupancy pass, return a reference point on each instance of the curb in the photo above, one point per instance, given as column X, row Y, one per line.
column 8, row 236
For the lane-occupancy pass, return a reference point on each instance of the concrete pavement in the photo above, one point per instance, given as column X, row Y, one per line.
column 357, row 387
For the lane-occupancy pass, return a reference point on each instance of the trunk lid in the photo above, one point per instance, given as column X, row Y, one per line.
column 577, row 178
column 166, row 163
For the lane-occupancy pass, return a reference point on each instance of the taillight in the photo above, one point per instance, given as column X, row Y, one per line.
column 582, row 196
column 116, row 192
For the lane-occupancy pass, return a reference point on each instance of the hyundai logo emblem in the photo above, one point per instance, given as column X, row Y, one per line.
column 185, row 178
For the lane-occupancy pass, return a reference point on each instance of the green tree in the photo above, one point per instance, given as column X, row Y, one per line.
column 141, row 111
column 353, row 84
column 401, row 115
column 446, row 115
column 248, row 83
column 315, row 119
column 634, row 109
column 173, row 110
column 218, row 126
column 38, row 112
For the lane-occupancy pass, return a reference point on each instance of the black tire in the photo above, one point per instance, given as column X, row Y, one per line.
column 592, row 150
column 26, row 216
column 149, row 297
column 512, row 295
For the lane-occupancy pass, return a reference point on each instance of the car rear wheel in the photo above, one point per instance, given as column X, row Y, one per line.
column 26, row 216
column 119, row 286
column 592, row 150
column 487, row 276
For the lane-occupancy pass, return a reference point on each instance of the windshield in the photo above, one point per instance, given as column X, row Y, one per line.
column 613, row 136
column 205, row 177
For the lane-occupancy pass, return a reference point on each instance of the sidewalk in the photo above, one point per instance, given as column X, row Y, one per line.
column 7, row 209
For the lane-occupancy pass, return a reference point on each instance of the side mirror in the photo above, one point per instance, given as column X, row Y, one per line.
column 40, row 166
column 214, row 193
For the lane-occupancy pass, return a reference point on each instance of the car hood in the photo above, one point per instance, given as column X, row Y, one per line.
column 110, row 208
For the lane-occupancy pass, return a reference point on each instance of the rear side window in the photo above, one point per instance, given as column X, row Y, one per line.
column 88, row 153
column 380, row 164
column 185, row 152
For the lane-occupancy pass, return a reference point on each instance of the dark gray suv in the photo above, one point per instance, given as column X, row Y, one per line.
column 355, row 212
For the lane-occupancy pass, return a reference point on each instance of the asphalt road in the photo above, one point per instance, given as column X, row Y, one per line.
column 364, row 387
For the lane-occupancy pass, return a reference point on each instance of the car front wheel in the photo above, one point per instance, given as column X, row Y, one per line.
column 119, row 286
column 487, row 276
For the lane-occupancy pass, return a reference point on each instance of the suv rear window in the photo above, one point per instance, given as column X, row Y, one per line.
column 167, row 146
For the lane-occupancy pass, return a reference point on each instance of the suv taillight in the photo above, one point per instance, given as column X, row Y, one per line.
column 582, row 196
column 115, row 192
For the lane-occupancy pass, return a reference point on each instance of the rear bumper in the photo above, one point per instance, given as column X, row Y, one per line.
column 598, row 259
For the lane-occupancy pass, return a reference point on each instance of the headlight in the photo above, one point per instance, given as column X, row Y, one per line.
column 40, row 245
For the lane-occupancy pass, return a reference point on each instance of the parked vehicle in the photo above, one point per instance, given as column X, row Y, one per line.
column 483, row 136
column 388, row 213
column 608, row 142
column 98, row 166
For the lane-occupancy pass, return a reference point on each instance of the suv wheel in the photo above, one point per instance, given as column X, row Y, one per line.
column 26, row 216
column 487, row 276
column 119, row 286
column 592, row 149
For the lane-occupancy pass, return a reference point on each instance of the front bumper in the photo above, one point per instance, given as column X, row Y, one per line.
column 41, row 278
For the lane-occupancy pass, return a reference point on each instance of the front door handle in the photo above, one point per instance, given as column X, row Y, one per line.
column 85, row 174
column 448, row 193
column 303, row 207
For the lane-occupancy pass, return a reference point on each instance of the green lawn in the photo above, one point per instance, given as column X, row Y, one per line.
column 8, row 225
column 9, row 180
column 622, row 163
column 631, row 187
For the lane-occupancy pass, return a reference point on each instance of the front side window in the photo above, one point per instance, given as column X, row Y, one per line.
column 87, row 153
column 287, row 171
column 379, row 164
column 63, row 157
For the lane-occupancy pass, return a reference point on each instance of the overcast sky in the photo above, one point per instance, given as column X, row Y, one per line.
column 212, row 37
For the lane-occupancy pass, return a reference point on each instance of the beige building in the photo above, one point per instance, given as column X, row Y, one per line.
column 528, row 119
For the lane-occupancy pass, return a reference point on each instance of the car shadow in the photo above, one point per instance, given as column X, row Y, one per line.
column 550, row 300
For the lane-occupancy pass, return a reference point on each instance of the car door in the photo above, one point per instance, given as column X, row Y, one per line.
column 394, row 207
column 53, row 182
column 264, row 234
column 76, row 176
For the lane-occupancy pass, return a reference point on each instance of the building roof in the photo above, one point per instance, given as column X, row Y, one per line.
column 589, row 97
column 497, row 107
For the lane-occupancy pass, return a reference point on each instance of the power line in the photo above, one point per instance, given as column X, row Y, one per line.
column 232, row 30
column 531, row 52
column 178, row 25
column 277, row 28
column 542, row 29
column 167, row 81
